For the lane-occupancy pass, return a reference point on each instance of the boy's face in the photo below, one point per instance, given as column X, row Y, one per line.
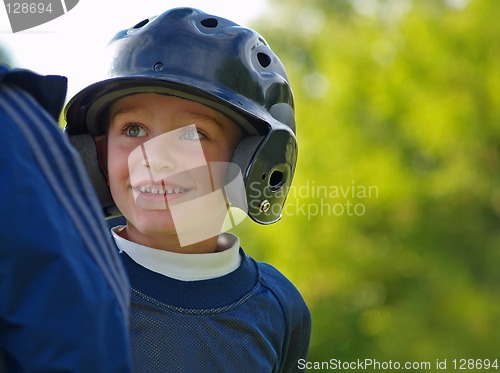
column 158, row 151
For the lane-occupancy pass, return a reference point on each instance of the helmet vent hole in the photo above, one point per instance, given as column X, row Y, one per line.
column 141, row 24
column 264, row 59
column 276, row 180
column 210, row 22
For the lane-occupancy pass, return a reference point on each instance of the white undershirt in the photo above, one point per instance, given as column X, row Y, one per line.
column 184, row 267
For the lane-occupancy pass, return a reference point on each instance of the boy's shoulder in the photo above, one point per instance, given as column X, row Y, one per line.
column 283, row 289
column 296, row 314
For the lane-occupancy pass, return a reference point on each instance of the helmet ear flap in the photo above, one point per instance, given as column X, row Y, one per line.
column 267, row 164
column 93, row 160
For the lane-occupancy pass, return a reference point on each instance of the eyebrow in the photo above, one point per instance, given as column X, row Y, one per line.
column 124, row 110
column 220, row 119
column 205, row 117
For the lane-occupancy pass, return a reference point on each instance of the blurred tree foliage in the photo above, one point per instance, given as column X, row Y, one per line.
column 402, row 97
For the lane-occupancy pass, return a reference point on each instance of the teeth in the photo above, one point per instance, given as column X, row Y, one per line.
column 152, row 189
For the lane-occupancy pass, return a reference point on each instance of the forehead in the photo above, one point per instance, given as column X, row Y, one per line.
column 158, row 103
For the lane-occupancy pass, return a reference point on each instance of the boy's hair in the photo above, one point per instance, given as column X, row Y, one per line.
column 213, row 61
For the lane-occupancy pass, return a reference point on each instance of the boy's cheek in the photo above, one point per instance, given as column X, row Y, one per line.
column 118, row 170
column 135, row 159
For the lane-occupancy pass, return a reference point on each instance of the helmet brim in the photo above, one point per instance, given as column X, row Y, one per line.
column 85, row 112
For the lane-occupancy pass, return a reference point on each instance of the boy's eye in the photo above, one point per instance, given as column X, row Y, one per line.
column 191, row 134
column 135, row 130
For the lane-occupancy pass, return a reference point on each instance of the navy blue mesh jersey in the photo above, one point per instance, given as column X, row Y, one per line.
column 250, row 320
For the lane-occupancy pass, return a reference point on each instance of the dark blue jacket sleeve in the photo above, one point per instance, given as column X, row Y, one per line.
column 64, row 294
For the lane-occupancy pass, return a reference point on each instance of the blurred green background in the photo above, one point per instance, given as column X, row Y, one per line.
column 403, row 97
column 392, row 228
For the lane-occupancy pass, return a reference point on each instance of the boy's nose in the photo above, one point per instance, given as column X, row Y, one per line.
column 159, row 153
column 169, row 151
column 157, row 158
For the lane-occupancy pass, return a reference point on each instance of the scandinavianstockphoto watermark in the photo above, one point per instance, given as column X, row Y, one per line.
column 312, row 199
column 378, row 365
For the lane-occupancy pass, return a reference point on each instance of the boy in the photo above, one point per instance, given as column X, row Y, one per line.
column 64, row 292
column 190, row 97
